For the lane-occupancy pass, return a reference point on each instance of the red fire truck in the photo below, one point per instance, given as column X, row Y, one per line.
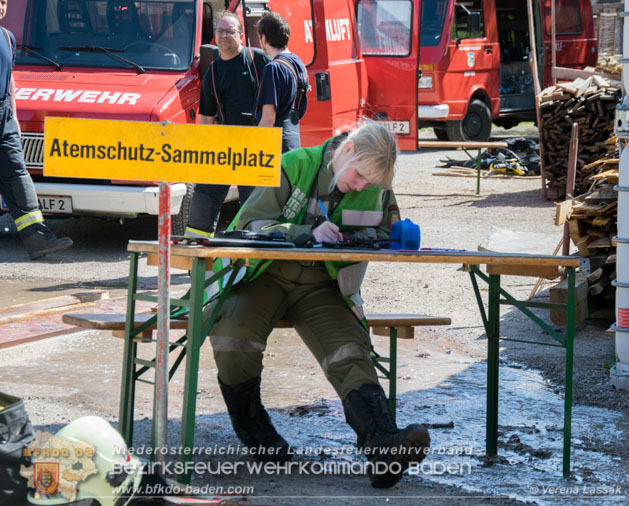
column 144, row 59
column 475, row 60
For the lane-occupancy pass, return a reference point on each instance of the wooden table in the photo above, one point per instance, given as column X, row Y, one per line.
column 198, row 258
column 465, row 145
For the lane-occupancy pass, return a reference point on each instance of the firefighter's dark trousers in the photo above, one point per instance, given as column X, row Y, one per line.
column 206, row 205
column 309, row 299
column 16, row 185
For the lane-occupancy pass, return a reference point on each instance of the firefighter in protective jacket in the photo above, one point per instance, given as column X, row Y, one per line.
column 351, row 175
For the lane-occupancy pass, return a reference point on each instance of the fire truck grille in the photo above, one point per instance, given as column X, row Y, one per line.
column 33, row 145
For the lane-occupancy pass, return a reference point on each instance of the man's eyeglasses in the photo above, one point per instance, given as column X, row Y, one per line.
column 221, row 31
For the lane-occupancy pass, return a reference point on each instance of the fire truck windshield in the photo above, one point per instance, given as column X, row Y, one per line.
column 432, row 21
column 151, row 34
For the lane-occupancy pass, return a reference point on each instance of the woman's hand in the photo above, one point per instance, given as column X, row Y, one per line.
column 328, row 232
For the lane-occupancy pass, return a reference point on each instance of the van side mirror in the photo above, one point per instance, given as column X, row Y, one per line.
column 473, row 22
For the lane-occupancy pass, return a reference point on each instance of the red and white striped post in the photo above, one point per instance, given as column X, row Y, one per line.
column 160, row 396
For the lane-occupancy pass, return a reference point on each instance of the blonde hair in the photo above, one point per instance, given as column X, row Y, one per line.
column 374, row 154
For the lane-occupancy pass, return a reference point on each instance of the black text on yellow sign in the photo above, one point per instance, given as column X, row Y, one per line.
column 149, row 151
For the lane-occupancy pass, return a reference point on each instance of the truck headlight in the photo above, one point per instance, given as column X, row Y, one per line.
column 425, row 83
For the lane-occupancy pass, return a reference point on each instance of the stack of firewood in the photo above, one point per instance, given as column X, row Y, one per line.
column 592, row 222
column 591, row 103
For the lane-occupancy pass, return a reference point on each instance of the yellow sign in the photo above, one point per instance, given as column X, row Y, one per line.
column 169, row 152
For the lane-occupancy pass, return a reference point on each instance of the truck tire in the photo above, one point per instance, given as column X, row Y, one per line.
column 179, row 222
column 475, row 126
column 440, row 133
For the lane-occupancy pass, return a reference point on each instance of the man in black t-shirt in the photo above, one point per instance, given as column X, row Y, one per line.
column 16, row 185
column 228, row 97
column 282, row 98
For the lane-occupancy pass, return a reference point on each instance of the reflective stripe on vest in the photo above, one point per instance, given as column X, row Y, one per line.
column 314, row 209
column 351, row 218
column 29, row 219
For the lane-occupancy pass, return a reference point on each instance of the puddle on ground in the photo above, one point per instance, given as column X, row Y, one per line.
column 20, row 291
column 530, row 440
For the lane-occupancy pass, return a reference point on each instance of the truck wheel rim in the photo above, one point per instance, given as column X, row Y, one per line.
column 472, row 126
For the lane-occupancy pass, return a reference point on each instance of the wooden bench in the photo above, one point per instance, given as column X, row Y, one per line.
column 396, row 326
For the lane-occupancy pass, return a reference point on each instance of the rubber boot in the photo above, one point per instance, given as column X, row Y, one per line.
column 252, row 424
column 40, row 241
column 367, row 412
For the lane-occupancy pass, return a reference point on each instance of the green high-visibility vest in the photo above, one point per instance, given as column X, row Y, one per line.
column 301, row 167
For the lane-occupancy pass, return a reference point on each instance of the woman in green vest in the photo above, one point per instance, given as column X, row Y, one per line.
column 351, row 175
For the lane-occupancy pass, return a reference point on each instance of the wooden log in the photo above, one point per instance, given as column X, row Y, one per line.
column 562, row 211
column 559, row 295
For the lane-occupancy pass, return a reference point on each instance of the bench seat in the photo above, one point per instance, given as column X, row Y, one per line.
column 379, row 323
column 396, row 326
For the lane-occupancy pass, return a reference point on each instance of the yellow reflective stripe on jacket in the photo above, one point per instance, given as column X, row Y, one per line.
column 29, row 219
column 195, row 232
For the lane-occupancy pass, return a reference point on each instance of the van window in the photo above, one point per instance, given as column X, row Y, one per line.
column 460, row 25
column 567, row 17
column 384, row 27
column 432, row 21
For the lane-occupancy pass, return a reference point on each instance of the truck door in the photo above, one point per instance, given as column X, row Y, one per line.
column 575, row 40
column 389, row 39
column 474, row 72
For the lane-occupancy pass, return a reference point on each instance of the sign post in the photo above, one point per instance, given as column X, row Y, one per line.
column 149, row 151
column 160, row 392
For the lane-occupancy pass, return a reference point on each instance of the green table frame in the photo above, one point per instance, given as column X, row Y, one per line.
column 197, row 260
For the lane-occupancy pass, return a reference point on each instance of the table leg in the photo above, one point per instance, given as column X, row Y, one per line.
column 477, row 161
column 567, row 422
column 127, row 384
column 392, row 370
column 493, row 355
column 195, row 323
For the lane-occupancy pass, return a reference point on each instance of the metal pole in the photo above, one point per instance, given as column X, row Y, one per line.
column 493, row 358
column 244, row 17
column 572, row 172
column 392, row 370
column 533, row 44
column 552, row 39
column 567, row 410
column 478, row 163
column 538, row 88
column 127, row 384
column 160, row 397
